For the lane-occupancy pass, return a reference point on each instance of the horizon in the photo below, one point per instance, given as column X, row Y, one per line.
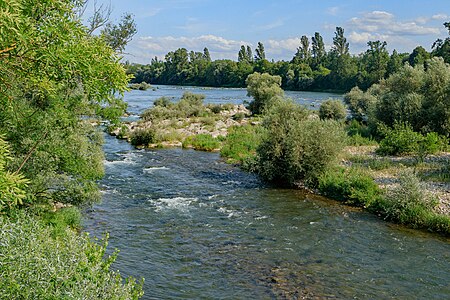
column 196, row 24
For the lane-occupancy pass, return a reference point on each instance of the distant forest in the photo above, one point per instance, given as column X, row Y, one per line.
column 311, row 68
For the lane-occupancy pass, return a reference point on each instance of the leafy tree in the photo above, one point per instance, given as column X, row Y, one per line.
column 395, row 63
column 375, row 62
column 340, row 44
column 418, row 56
column 53, row 75
column 442, row 47
column 318, row 49
column 249, row 53
column 264, row 88
column 206, row 55
column 260, row 52
column 117, row 36
column 303, row 54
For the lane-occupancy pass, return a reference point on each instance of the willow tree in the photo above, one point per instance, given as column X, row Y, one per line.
column 54, row 76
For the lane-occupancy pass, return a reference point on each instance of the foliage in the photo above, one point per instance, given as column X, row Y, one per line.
column 409, row 202
column 117, row 36
column 190, row 105
column 401, row 139
column 360, row 103
column 353, row 186
column 12, row 185
column 241, row 143
column 143, row 86
column 332, row 109
column 36, row 265
column 162, row 101
column 289, row 150
column 419, row 96
column 143, row 137
column 53, row 75
column 264, row 89
column 203, row 142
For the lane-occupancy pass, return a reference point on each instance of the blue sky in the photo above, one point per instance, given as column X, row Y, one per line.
column 223, row 26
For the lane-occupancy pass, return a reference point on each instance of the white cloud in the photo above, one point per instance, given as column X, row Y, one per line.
column 403, row 35
column 383, row 22
column 142, row 49
column 269, row 26
column 333, row 11
column 440, row 17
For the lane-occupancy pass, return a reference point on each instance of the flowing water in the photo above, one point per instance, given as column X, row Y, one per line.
column 197, row 228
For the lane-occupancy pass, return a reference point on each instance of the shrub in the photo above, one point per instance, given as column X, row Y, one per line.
column 409, row 202
column 332, row 109
column 215, row 109
column 295, row 147
column 203, row 142
column 143, row 137
column 241, row 143
column 162, row 101
column 143, row 86
column 401, row 139
column 60, row 219
column 36, row 265
column 353, row 186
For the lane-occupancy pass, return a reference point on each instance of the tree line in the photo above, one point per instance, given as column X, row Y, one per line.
column 311, row 68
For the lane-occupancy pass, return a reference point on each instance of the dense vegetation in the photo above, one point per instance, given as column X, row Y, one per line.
column 311, row 67
column 55, row 76
column 292, row 146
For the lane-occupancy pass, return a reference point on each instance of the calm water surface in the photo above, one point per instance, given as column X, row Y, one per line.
column 197, row 228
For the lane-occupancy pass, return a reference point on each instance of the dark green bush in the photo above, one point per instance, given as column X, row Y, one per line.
column 143, row 137
column 332, row 109
column 203, row 142
column 353, row 186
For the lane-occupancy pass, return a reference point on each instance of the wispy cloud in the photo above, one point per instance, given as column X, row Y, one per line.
column 271, row 25
column 333, row 11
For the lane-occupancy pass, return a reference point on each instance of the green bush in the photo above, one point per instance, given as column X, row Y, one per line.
column 401, row 139
column 353, row 186
column 409, row 202
column 35, row 265
column 296, row 147
column 241, row 143
column 203, row 142
column 143, row 137
column 60, row 219
column 332, row 109
column 162, row 101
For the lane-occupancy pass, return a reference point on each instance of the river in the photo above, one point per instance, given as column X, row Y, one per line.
column 197, row 228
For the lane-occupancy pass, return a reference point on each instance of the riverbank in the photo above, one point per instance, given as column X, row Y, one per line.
column 209, row 131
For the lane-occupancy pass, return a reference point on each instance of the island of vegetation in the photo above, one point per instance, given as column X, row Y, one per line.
column 389, row 155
